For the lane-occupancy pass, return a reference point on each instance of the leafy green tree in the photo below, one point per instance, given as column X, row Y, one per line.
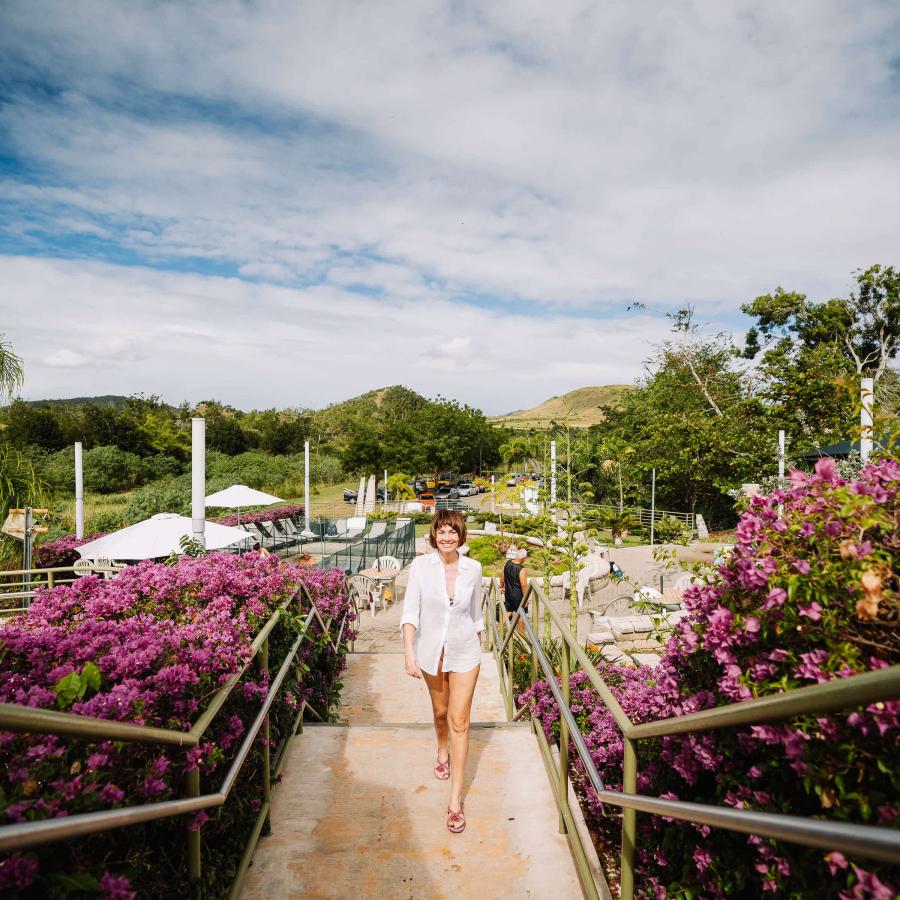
column 223, row 433
column 27, row 424
column 695, row 420
column 809, row 350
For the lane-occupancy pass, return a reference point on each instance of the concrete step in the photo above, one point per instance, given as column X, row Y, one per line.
column 359, row 814
column 377, row 690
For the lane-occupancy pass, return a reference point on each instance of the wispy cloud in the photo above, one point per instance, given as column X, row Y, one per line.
column 506, row 161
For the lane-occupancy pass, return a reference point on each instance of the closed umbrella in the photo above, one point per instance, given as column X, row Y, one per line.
column 159, row 536
column 239, row 495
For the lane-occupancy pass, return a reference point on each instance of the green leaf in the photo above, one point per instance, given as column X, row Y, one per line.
column 90, row 674
column 68, row 689
column 76, row 881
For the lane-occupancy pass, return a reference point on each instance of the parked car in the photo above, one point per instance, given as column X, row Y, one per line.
column 419, row 486
column 446, row 493
column 350, row 496
column 466, row 489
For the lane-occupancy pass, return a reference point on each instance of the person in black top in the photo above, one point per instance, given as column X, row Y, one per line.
column 514, row 581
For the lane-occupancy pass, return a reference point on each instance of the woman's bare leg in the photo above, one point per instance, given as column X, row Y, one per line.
column 459, row 711
column 439, row 691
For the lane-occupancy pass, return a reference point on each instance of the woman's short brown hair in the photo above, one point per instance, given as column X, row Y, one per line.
column 447, row 517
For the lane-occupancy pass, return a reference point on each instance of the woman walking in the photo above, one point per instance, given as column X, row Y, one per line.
column 442, row 625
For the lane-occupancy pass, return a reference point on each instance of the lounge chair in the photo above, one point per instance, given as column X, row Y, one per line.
column 356, row 525
column 377, row 530
column 284, row 539
column 275, row 538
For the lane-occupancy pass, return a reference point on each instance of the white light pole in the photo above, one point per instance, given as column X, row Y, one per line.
column 652, row 507
column 198, row 479
column 781, row 454
column 79, row 492
column 385, row 490
column 492, row 493
column 867, row 398
column 306, row 530
column 552, row 472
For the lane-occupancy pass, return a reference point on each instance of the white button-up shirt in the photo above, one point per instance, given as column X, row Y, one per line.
column 439, row 626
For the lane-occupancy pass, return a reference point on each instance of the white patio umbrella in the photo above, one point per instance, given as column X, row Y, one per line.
column 239, row 495
column 159, row 536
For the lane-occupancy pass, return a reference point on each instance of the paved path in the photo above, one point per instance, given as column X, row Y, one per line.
column 359, row 813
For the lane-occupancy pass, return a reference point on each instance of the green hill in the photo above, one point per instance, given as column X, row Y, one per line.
column 114, row 400
column 581, row 407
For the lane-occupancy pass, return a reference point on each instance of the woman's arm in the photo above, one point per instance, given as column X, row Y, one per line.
column 409, row 621
column 475, row 605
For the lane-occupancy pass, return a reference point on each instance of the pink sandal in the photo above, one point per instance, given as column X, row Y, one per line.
column 456, row 821
column 442, row 770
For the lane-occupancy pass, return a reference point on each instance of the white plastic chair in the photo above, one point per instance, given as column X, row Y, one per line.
column 388, row 562
column 83, row 567
column 368, row 592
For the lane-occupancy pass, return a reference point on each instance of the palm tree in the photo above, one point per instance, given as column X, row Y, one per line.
column 18, row 483
column 12, row 372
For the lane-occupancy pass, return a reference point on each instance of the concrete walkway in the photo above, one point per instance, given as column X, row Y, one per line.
column 359, row 813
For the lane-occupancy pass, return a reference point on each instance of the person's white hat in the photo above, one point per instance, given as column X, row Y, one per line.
column 511, row 553
column 522, row 551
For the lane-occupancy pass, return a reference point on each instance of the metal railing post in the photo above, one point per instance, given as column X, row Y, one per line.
column 192, row 789
column 629, row 820
column 50, row 579
column 510, row 666
column 563, row 735
column 266, row 752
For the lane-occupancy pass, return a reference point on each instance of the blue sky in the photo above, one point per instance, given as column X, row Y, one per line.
column 290, row 203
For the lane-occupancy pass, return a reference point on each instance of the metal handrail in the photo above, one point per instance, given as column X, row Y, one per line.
column 24, row 584
column 15, row 718
column 864, row 840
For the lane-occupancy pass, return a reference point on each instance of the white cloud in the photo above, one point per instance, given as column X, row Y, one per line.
column 376, row 164
column 66, row 359
column 577, row 154
column 190, row 337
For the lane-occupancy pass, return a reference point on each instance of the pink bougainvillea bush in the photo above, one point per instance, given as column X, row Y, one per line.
column 61, row 552
column 810, row 594
column 152, row 647
column 270, row 514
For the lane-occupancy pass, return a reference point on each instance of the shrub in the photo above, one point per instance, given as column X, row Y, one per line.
column 62, row 552
column 809, row 594
column 170, row 495
column 484, row 550
column 256, row 469
column 530, row 526
column 269, row 514
column 669, row 530
column 151, row 646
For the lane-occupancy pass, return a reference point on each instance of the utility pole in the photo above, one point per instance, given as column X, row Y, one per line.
column 652, row 506
column 79, row 493
column 198, row 480
column 781, row 454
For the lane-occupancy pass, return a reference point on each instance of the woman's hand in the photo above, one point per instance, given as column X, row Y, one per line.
column 412, row 667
